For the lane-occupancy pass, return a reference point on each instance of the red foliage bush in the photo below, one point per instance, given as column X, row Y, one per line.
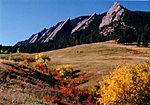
column 68, row 94
column 41, row 67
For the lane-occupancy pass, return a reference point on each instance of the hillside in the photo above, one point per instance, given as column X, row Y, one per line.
column 91, row 63
column 96, row 58
column 99, row 58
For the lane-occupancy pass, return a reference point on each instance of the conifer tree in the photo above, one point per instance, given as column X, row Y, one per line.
column 145, row 35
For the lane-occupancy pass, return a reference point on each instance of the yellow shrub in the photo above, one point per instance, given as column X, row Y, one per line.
column 126, row 86
column 65, row 70
column 41, row 58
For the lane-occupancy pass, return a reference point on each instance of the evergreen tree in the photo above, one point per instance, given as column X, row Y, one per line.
column 145, row 35
column 138, row 40
column 139, row 33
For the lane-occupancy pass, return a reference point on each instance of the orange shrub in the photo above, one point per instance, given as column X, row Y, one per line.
column 41, row 68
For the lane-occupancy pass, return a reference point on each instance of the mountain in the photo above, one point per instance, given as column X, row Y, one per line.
column 115, row 13
column 84, row 23
column 67, row 27
column 118, row 16
column 112, row 24
column 46, row 35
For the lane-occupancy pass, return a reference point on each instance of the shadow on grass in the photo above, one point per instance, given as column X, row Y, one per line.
column 31, row 74
column 134, row 44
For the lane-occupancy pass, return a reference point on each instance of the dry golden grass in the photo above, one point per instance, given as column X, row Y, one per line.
column 97, row 58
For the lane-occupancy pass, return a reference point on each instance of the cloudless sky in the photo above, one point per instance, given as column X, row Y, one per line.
column 19, row 19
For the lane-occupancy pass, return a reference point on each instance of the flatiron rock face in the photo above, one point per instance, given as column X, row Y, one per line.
column 47, row 35
column 96, row 24
column 83, row 24
column 114, row 14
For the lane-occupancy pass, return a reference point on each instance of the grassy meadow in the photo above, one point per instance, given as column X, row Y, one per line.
column 73, row 76
column 98, row 59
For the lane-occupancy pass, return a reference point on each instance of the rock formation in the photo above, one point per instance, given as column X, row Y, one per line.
column 113, row 14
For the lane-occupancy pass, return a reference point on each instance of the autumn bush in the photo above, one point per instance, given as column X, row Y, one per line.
column 66, row 81
column 41, row 58
column 41, row 62
column 126, row 85
column 65, row 70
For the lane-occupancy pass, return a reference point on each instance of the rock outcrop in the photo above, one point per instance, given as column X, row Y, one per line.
column 83, row 24
column 57, row 30
column 114, row 18
column 47, row 35
column 77, row 30
column 35, row 37
column 114, row 14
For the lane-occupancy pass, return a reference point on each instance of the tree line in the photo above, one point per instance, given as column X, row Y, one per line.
column 140, row 35
column 128, row 35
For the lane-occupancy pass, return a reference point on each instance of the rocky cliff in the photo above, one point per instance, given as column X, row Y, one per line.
column 85, row 29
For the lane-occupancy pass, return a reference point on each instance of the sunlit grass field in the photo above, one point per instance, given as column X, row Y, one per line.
column 98, row 59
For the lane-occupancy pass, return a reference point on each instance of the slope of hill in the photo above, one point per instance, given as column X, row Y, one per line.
column 91, row 63
column 98, row 58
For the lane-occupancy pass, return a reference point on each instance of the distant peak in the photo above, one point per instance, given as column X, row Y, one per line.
column 116, row 4
column 83, row 24
column 68, row 19
column 114, row 14
column 94, row 14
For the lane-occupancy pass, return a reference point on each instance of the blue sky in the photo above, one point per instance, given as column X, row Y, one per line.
column 19, row 19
